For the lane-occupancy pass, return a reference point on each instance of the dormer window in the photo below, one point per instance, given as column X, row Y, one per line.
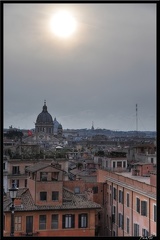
column 43, row 176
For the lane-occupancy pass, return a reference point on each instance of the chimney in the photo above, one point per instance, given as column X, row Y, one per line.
column 17, row 201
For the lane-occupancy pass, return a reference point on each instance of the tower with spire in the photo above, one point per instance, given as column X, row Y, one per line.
column 92, row 128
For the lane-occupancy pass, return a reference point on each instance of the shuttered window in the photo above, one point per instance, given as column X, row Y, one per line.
column 144, row 233
column 42, row 222
column 120, row 220
column 127, row 225
column 144, row 208
column 114, row 194
column 83, row 220
column 114, row 214
column 138, row 205
column 54, row 221
column 155, row 213
column 136, row 229
column 18, row 223
column 68, row 221
column 127, row 199
column 120, row 196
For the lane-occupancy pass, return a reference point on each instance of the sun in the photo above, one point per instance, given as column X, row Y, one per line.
column 63, row 24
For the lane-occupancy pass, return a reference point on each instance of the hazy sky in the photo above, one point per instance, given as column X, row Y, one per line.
column 99, row 73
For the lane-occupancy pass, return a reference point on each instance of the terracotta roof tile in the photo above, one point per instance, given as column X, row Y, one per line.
column 70, row 201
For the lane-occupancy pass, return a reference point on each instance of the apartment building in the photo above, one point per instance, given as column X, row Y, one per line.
column 115, row 162
column 5, row 173
column 48, row 208
column 130, row 206
column 16, row 170
column 143, row 153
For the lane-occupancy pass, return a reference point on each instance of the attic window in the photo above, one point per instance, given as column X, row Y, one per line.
column 43, row 176
column 54, row 176
column 77, row 190
column 95, row 189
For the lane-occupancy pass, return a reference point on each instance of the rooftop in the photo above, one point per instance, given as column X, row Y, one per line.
column 142, row 163
column 138, row 178
column 70, row 201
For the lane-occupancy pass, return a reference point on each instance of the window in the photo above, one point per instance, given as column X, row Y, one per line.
column 25, row 169
column 55, row 196
column 113, row 214
column 43, row 196
column 124, row 164
column 114, row 193
column 127, row 225
column 120, row 220
column 29, row 224
column 114, row 164
column 4, row 166
column 119, row 164
column 106, row 164
column 127, row 199
column 54, row 176
column 114, row 233
column 68, row 221
column 15, row 182
column 144, row 233
column 121, row 196
column 18, row 223
column 77, row 190
column 110, row 199
column 144, row 208
column 155, row 213
column 33, row 175
column 107, row 197
column 82, row 220
column 43, row 176
column 42, row 222
column 25, row 183
column 136, row 230
column 151, row 160
column 138, row 205
column 54, row 221
column 15, row 170
column 95, row 189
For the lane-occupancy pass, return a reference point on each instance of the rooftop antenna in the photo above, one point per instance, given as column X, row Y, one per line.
column 136, row 119
column 92, row 125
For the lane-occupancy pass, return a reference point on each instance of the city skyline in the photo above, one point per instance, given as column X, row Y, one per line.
column 97, row 75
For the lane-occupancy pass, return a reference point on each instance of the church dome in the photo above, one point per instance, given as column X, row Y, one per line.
column 59, row 126
column 44, row 116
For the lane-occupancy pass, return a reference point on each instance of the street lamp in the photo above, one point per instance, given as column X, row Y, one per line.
column 13, row 194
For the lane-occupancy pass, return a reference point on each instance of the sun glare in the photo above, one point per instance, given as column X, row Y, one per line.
column 63, row 24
